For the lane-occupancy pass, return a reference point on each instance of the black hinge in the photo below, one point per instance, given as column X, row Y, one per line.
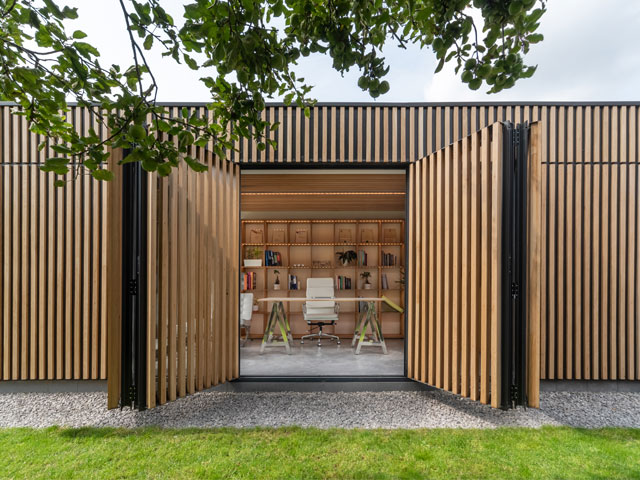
column 132, row 394
column 133, row 286
column 514, row 393
column 516, row 136
column 514, row 290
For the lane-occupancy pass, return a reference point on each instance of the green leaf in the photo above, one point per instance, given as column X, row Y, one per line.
column 148, row 42
column 78, row 34
column 535, row 38
column 102, row 174
column 475, row 83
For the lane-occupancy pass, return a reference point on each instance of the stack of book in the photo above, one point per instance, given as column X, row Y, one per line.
column 272, row 259
column 293, row 282
column 389, row 259
column 248, row 281
column 362, row 258
column 384, row 281
column 343, row 283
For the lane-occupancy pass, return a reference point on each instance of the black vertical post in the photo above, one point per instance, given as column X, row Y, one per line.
column 134, row 282
column 514, row 265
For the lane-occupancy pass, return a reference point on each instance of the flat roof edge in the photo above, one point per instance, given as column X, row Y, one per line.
column 410, row 104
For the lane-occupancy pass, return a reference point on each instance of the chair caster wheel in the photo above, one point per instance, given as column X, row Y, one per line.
column 338, row 342
column 301, row 342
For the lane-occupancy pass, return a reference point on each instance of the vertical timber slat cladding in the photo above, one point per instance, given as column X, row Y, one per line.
column 590, row 291
column 192, row 227
column 53, row 273
column 465, row 356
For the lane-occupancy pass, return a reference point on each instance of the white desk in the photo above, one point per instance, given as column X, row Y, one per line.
column 368, row 317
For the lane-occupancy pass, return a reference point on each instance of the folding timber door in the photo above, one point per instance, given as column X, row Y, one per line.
column 473, row 277
column 186, row 336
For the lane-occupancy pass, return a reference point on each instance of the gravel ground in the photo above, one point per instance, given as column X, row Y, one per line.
column 425, row 409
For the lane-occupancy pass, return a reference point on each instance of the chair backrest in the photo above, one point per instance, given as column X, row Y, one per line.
column 246, row 307
column 320, row 288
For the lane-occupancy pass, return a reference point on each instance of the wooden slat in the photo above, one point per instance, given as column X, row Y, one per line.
column 152, row 312
column 448, row 259
column 412, row 304
column 466, row 268
column 432, row 262
column 474, row 333
column 604, row 250
column 534, row 260
column 439, row 267
column 633, row 251
column 495, row 297
column 485, row 266
column 569, row 248
column 183, row 286
column 114, row 276
column 577, row 249
column 457, row 253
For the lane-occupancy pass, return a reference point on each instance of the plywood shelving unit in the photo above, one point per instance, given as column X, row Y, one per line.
column 308, row 248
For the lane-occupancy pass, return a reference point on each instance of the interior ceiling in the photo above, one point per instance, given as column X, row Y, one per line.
column 315, row 191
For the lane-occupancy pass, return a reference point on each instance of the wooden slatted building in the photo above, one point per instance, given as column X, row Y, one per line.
column 54, row 285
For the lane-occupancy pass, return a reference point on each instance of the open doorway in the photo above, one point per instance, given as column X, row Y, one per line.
column 335, row 235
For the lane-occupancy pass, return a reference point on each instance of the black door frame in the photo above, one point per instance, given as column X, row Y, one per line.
column 330, row 166
column 514, row 265
column 133, row 388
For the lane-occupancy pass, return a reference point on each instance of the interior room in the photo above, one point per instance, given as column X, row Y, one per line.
column 322, row 272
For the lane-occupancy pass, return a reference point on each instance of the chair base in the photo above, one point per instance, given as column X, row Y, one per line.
column 320, row 335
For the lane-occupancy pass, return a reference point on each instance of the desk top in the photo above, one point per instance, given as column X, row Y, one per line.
column 339, row 299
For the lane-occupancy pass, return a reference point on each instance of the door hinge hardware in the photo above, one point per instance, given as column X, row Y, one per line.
column 514, row 290
column 133, row 287
column 514, row 393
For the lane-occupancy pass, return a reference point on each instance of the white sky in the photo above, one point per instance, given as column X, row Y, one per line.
column 590, row 53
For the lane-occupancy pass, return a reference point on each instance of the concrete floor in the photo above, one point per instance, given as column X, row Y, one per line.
column 329, row 360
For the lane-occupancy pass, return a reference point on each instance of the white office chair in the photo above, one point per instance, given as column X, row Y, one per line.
column 246, row 312
column 322, row 312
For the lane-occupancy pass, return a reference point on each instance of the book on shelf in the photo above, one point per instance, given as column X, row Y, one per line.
column 362, row 258
column 389, row 259
column 248, row 281
column 293, row 282
column 272, row 259
column 343, row 283
column 384, row 281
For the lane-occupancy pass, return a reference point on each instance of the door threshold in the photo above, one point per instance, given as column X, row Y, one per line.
column 338, row 378
column 322, row 384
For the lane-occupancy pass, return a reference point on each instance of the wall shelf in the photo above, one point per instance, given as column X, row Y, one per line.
column 321, row 245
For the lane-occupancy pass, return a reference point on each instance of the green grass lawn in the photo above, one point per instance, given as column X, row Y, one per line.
column 311, row 453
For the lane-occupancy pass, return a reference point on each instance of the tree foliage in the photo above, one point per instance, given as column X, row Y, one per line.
column 44, row 65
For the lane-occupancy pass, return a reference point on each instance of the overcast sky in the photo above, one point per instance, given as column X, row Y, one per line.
column 590, row 52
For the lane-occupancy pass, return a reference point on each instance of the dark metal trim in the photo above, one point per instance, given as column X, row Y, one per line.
column 550, row 103
column 328, row 379
column 133, row 391
column 514, row 265
column 323, row 165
